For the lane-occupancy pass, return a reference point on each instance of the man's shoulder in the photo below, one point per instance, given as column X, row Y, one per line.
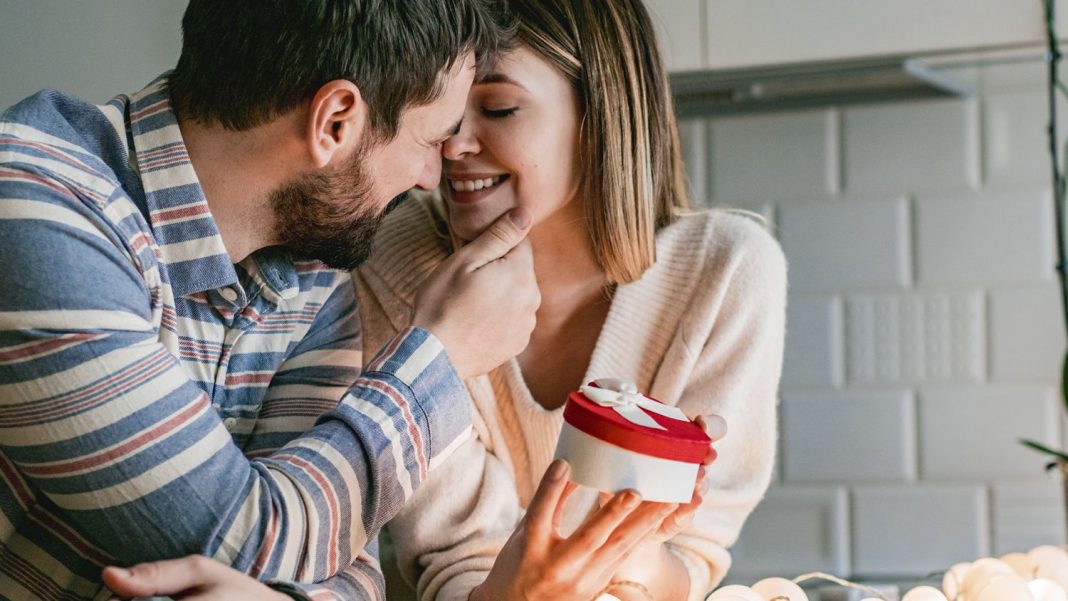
column 66, row 142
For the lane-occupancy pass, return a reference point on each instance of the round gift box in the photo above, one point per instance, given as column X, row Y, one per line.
column 610, row 453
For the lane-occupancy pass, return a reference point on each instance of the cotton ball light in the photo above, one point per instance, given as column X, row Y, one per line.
column 780, row 588
column 735, row 592
column 1049, row 558
column 1044, row 589
column 1004, row 587
column 981, row 573
column 1022, row 564
column 924, row 593
column 1051, row 562
column 953, row 581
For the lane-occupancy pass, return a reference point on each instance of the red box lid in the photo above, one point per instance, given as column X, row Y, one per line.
column 680, row 440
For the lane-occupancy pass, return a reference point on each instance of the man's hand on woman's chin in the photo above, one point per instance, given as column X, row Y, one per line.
column 193, row 578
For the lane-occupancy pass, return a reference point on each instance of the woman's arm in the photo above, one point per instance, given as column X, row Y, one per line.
column 737, row 327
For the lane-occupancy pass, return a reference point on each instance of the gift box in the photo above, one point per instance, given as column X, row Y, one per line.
column 616, row 438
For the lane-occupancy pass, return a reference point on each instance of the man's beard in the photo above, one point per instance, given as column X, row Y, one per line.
column 330, row 217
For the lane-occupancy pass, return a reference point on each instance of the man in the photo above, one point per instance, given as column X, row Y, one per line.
column 180, row 361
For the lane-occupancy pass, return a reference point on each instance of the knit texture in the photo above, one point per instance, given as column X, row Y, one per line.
column 702, row 329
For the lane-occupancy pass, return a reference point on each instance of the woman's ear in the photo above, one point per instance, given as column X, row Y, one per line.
column 337, row 122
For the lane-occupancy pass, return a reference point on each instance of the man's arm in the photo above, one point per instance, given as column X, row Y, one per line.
column 103, row 422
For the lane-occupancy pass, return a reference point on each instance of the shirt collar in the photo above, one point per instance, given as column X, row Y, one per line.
column 178, row 211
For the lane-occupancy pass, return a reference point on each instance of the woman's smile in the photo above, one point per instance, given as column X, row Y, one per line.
column 466, row 188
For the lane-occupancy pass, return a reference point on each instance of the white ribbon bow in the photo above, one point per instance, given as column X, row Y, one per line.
column 623, row 397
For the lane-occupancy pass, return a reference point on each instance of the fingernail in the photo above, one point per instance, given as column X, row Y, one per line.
column 631, row 499
column 715, row 426
column 557, row 469
column 121, row 571
column 520, row 217
column 705, row 487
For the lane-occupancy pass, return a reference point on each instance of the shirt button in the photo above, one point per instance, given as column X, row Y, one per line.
column 230, row 422
column 229, row 294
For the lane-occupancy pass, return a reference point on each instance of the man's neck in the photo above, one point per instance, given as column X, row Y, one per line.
column 237, row 171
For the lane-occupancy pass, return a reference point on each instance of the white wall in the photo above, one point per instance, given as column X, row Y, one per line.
column 94, row 49
column 924, row 327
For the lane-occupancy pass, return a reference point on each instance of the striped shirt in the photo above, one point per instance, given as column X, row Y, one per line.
column 157, row 400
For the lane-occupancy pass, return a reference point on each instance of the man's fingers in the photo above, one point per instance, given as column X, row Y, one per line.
column 165, row 577
column 499, row 239
column 542, row 508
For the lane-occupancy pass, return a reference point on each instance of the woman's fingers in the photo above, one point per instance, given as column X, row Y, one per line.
column 558, row 512
column 716, row 428
column 637, row 527
column 543, row 508
column 596, row 530
column 713, row 425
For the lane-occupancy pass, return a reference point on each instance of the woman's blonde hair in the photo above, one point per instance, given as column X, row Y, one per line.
column 631, row 174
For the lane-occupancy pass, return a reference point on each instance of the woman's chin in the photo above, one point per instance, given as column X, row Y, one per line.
column 468, row 224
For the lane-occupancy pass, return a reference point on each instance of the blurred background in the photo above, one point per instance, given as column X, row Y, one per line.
column 898, row 149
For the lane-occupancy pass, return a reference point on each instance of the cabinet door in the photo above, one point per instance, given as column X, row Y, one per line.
column 727, row 34
column 745, row 33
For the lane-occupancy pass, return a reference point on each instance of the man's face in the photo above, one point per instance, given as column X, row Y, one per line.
column 332, row 216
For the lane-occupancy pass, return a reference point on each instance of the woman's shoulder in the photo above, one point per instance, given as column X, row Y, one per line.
column 715, row 239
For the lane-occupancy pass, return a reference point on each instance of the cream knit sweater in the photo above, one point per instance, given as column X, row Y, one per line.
column 702, row 329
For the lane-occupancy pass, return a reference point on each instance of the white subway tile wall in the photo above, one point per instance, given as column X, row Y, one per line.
column 795, row 530
column 848, row 435
column 1026, row 515
column 914, row 530
column 924, row 334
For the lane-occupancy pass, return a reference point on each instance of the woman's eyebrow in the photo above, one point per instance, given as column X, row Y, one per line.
column 499, row 78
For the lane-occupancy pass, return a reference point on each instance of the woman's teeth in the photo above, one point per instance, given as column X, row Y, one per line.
column 470, row 185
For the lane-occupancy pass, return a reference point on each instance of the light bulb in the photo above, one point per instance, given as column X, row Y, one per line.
column 771, row 588
column 1044, row 589
column 735, row 592
column 953, row 581
column 1003, row 587
column 924, row 593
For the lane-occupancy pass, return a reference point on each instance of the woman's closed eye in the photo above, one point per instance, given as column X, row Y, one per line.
column 499, row 113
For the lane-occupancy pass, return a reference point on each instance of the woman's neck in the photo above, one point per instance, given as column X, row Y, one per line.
column 574, row 306
column 568, row 273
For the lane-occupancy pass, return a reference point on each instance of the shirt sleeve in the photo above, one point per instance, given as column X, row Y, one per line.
column 108, row 433
column 360, row 581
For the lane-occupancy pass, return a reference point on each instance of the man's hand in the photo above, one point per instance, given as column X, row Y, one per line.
column 194, row 578
column 481, row 301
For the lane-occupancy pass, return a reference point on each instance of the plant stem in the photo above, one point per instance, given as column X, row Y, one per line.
column 1053, row 59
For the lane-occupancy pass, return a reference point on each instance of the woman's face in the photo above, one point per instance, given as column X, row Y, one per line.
column 517, row 145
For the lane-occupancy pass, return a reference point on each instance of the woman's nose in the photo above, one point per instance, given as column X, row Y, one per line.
column 463, row 144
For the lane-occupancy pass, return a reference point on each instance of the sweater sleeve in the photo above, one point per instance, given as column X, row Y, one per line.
column 736, row 375
column 447, row 538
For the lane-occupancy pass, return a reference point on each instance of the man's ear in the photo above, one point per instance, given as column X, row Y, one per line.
column 337, row 121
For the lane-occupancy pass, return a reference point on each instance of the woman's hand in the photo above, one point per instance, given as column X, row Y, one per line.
column 194, row 578
column 651, row 563
column 537, row 563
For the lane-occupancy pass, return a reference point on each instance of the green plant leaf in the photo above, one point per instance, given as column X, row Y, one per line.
column 1041, row 448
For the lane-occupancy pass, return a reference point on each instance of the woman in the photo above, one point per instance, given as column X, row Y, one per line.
column 575, row 124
